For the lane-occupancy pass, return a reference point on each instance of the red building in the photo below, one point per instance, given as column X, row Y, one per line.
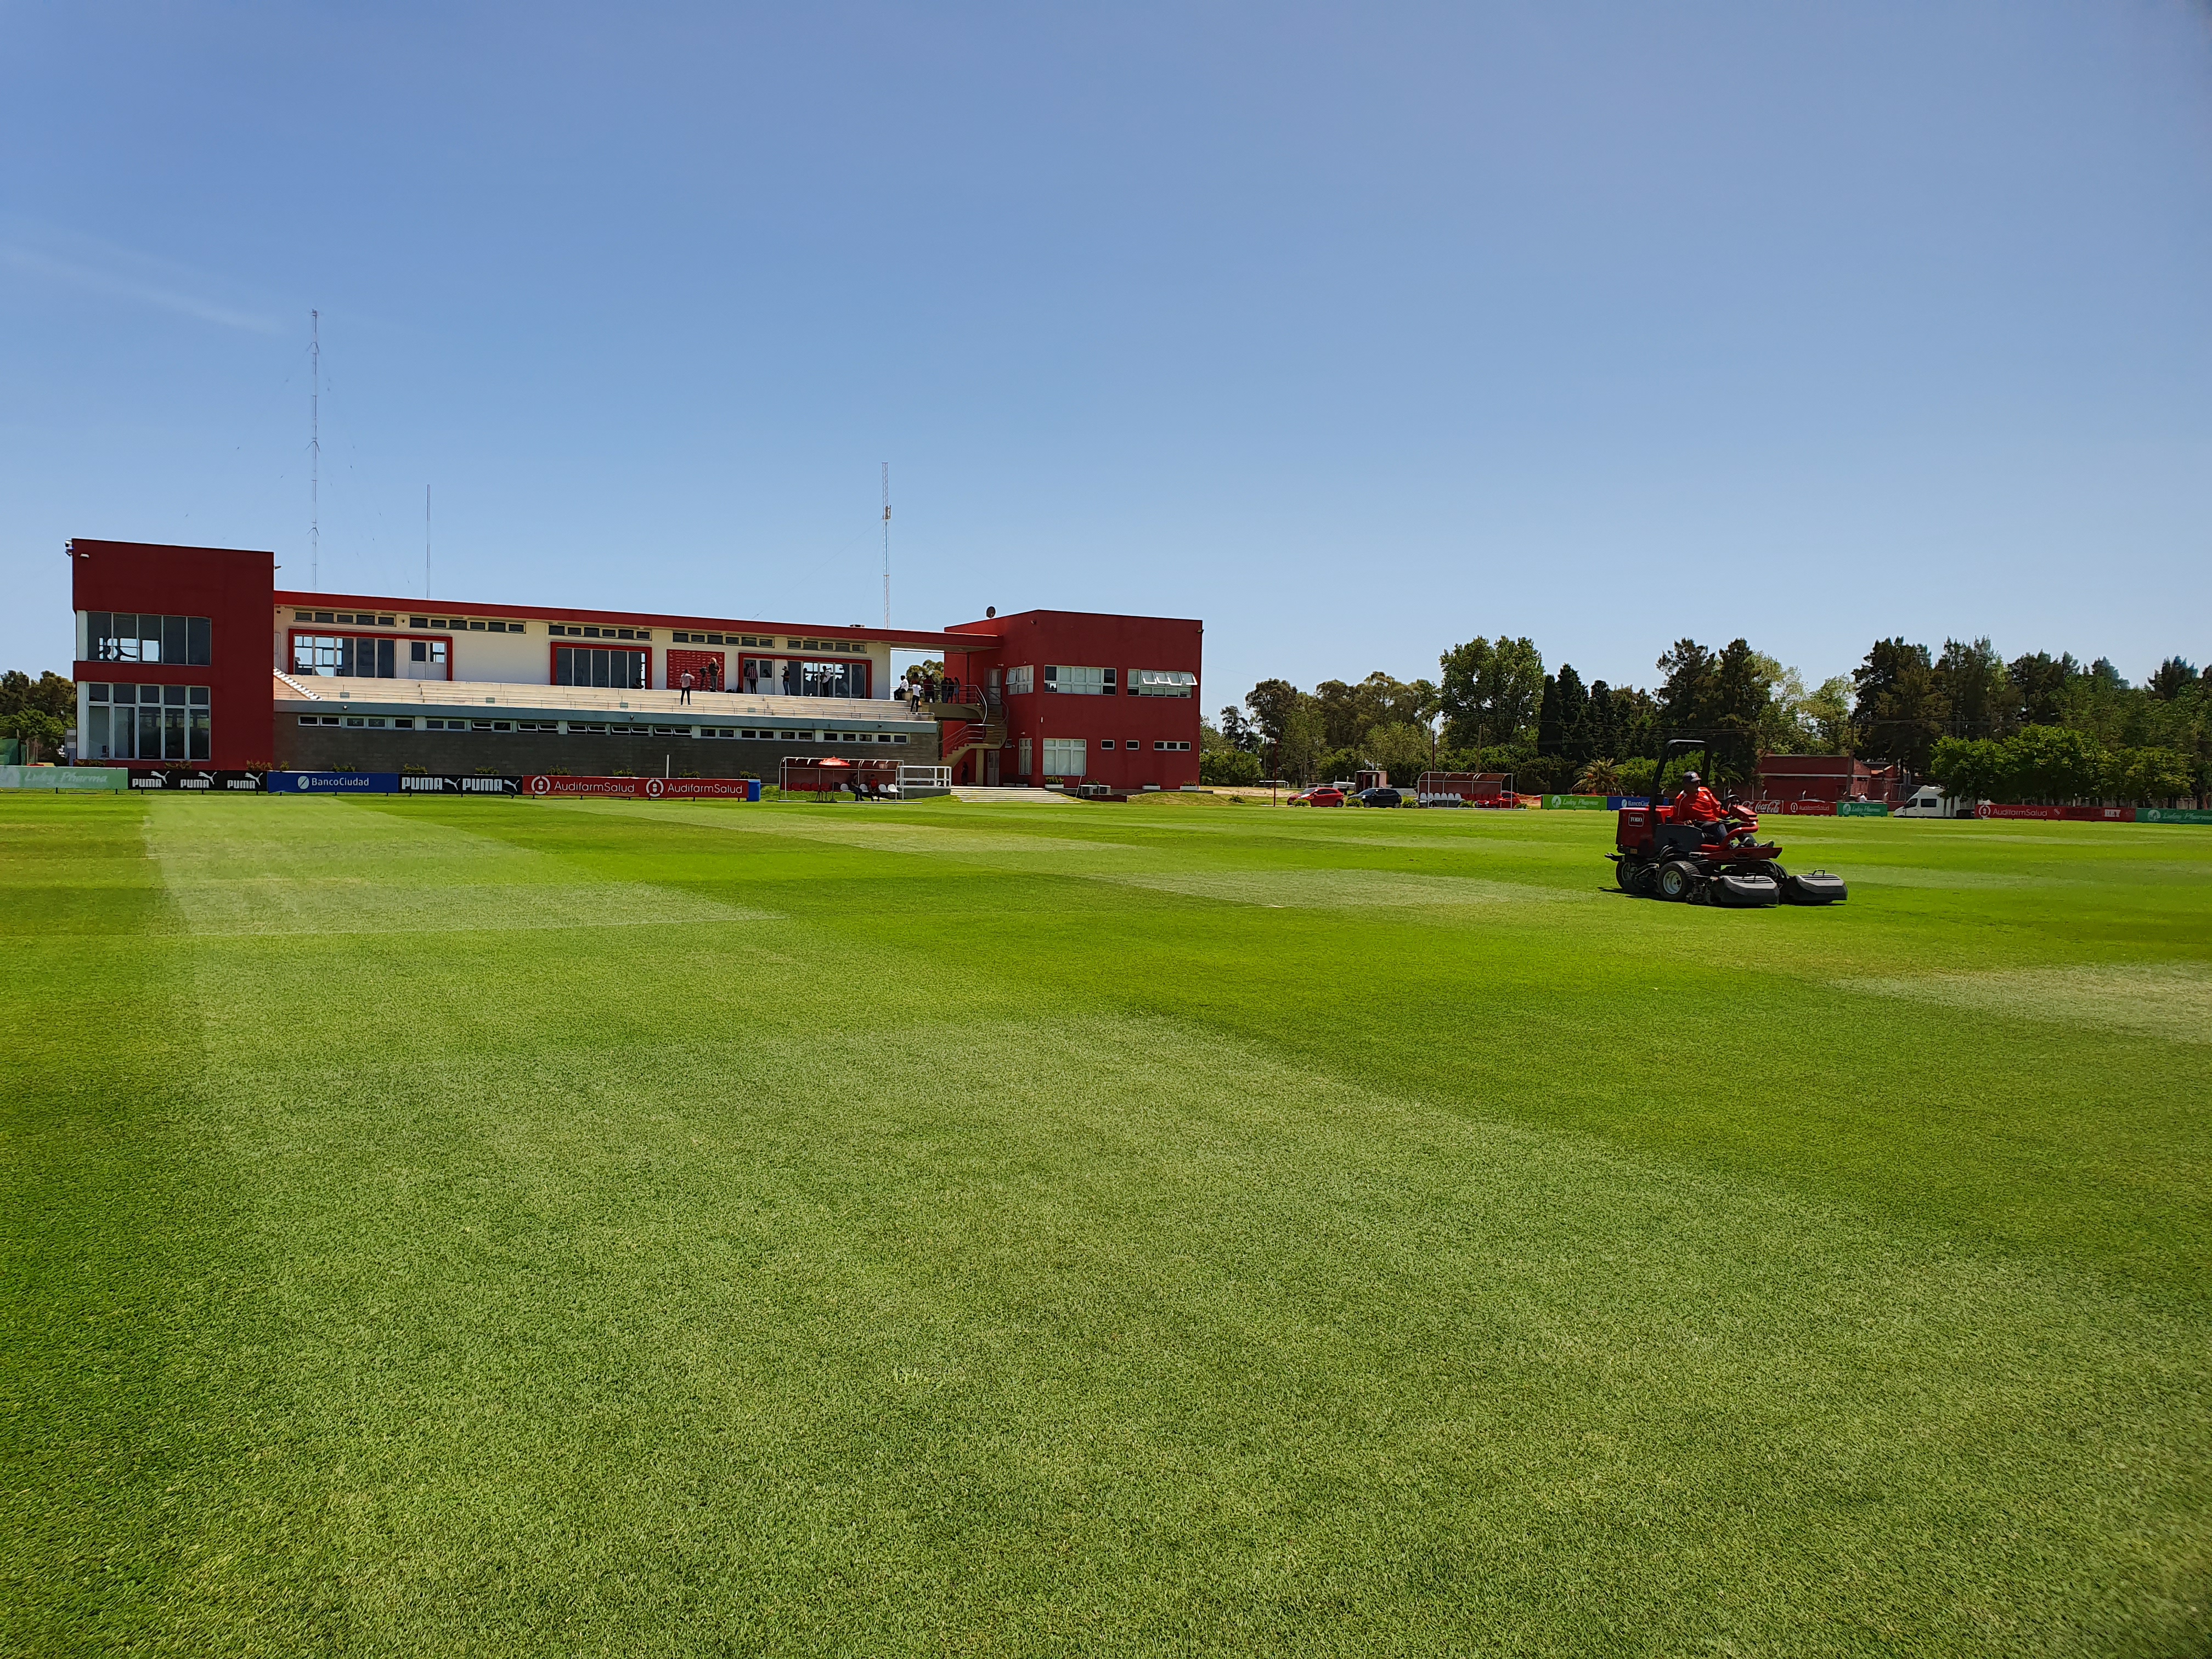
column 192, row 656
column 1071, row 697
column 186, row 681
column 1826, row 777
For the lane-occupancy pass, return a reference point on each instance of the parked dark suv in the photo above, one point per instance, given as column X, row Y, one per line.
column 1384, row 796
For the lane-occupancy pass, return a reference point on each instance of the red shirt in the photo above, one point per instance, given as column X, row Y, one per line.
column 1698, row 808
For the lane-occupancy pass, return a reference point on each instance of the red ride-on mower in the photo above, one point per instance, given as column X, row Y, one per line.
column 1713, row 862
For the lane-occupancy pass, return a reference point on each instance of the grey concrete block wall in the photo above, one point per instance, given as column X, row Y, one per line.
column 345, row 748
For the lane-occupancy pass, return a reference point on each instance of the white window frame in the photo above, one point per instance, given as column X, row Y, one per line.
column 1162, row 683
column 1073, row 681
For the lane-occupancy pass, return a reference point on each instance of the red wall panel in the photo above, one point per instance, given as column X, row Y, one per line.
column 235, row 588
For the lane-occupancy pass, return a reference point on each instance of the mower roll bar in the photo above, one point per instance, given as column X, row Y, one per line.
column 1659, row 772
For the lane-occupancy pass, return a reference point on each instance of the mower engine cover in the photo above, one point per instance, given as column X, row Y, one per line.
column 1742, row 892
column 1817, row 888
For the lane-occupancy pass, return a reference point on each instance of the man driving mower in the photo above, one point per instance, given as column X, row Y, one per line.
column 1730, row 822
column 1707, row 850
column 1696, row 805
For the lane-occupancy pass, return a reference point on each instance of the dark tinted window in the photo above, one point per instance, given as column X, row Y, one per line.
column 201, row 645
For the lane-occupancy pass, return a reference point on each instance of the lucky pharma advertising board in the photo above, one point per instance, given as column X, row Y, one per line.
column 73, row 780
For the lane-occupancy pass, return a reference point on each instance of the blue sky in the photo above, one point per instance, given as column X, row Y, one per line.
column 1356, row 331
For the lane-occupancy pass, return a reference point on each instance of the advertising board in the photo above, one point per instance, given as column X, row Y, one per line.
column 2172, row 814
column 462, row 783
column 201, row 782
column 334, row 783
column 1862, row 809
column 2098, row 814
column 73, row 780
column 1574, row 803
column 1997, row 809
column 554, row 786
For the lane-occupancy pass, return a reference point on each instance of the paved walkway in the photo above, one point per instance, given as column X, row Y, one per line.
column 1011, row 792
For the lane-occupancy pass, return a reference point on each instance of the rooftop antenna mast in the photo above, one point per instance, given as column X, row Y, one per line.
column 315, row 449
column 887, row 545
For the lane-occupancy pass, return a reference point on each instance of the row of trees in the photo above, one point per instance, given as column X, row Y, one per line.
column 2060, row 763
column 1494, row 708
column 36, row 713
column 1908, row 700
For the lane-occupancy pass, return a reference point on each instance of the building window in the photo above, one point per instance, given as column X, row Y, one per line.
column 146, row 722
column 1170, row 747
column 1063, row 758
column 583, row 666
column 1162, row 683
column 1082, row 682
column 1019, row 681
column 796, row 676
column 126, row 636
column 348, row 656
column 1022, row 767
column 1107, row 744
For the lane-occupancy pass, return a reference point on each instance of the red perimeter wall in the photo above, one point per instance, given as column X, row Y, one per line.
column 235, row 588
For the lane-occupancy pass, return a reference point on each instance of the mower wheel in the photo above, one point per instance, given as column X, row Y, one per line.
column 1677, row 881
column 1630, row 873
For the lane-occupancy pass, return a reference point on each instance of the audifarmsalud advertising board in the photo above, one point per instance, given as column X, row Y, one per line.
column 545, row 785
column 553, row 785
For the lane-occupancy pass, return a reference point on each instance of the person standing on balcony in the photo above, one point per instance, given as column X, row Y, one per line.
column 687, row 684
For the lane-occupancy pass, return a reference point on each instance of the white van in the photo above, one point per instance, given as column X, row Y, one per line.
column 1929, row 802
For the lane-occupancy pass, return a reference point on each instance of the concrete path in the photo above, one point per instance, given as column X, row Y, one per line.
column 1011, row 792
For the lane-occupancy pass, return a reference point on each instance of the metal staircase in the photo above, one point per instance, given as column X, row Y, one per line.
column 964, row 729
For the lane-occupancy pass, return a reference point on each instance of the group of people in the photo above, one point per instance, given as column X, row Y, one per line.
column 930, row 687
column 917, row 689
column 708, row 679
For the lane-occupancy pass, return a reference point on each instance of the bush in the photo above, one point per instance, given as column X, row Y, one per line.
column 1228, row 767
column 1544, row 775
column 1970, row 768
column 2151, row 776
column 2054, row 763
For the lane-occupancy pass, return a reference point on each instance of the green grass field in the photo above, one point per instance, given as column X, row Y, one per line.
column 498, row 1227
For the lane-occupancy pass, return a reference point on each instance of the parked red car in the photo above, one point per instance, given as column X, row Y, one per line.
column 1324, row 796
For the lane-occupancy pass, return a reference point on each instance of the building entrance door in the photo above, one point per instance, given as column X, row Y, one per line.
column 991, row 764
